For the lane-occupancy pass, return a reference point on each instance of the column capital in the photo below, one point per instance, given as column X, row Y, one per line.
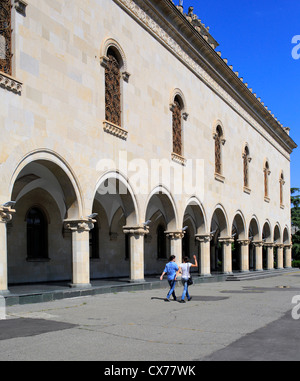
column 268, row 244
column 279, row 245
column 226, row 240
column 258, row 243
column 204, row 237
column 6, row 214
column 136, row 230
column 288, row 246
column 175, row 235
column 81, row 225
column 244, row 242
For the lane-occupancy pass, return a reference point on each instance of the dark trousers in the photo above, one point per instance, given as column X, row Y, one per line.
column 172, row 284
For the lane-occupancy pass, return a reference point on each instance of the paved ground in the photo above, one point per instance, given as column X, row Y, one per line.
column 247, row 320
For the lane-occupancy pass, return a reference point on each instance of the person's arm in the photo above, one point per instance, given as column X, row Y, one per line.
column 178, row 272
column 196, row 263
column 162, row 275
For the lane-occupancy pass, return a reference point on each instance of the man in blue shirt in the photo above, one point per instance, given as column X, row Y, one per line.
column 171, row 270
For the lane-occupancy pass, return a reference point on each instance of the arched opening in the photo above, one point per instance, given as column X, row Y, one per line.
column 253, row 237
column 218, row 229
column 266, row 237
column 238, row 233
column 276, row 243
column 39, row 248
column 115, row 208
column 157, row 246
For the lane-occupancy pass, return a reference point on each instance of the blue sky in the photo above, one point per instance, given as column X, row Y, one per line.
column 256, row 38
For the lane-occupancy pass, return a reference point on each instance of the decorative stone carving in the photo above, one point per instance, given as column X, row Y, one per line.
column 115, row 130
column 204, row 238
column 79, row 225
column 178, row 158
column 136, row 230
column 6, row 214
column 9, row 83
column 175, row 235
column 20, row 6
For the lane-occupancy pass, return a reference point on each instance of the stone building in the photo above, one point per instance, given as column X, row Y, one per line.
column 126, row 137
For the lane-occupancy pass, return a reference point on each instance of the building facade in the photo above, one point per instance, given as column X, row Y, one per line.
column 126, row 138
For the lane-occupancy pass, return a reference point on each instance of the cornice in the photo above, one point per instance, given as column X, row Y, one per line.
column 163, row 20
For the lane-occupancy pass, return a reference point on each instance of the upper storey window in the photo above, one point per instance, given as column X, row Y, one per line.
column 218, row 150
column 113, row 89
column 5, row 37
column 177, row 126
column 267, row 173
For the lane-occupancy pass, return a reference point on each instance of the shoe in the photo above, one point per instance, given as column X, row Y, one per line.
column 167, row 300
column 175, row 298
column 190, row 299
column 182, row 301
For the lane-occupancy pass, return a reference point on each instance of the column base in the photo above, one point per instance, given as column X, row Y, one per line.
column 4, row 293
column 81, row 286
column 136, row 281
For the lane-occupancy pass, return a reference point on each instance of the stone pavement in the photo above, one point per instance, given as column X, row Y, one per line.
column 246, row 320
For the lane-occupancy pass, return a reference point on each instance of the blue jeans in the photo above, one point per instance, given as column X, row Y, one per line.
column 172, row 284
column 185, row 290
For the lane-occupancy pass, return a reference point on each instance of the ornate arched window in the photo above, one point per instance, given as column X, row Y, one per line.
column 246, row 160
column 266, row 179
column 177, row 126
column 113, row 88
column 281, row 184
column 5, row 37
column 37, row 234
column 218, row 136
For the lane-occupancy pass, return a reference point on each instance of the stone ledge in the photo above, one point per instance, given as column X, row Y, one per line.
column 178, row 158
column 9, row 83
column 115, row 130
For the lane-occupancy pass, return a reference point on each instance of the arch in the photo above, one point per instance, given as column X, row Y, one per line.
column 112, row 191
column 277, row 234
column 238, row 234
column 116, row 47
column 177, row 93
column 167, row 204
column 254, row 229
column 219, row 221
column 238, row 225
column 47, row 170
column 267, row 232
column 286, row 236
column 196, row 212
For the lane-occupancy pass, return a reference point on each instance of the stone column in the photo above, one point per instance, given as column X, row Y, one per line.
column 280, row 256
column 204, row 241
column 227, row 254
column 80, row 230
column 288, row 256
column 258, row 255
column 5, row 217
column 176, row 244
column 136, row 239
column 270, row 255
column 244, row 254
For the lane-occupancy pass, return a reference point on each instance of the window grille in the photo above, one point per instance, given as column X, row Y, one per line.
column 113, row 91
column 5, row 37
column 177, row 129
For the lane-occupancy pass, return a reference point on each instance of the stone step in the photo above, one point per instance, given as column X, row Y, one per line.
column 259, row 274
